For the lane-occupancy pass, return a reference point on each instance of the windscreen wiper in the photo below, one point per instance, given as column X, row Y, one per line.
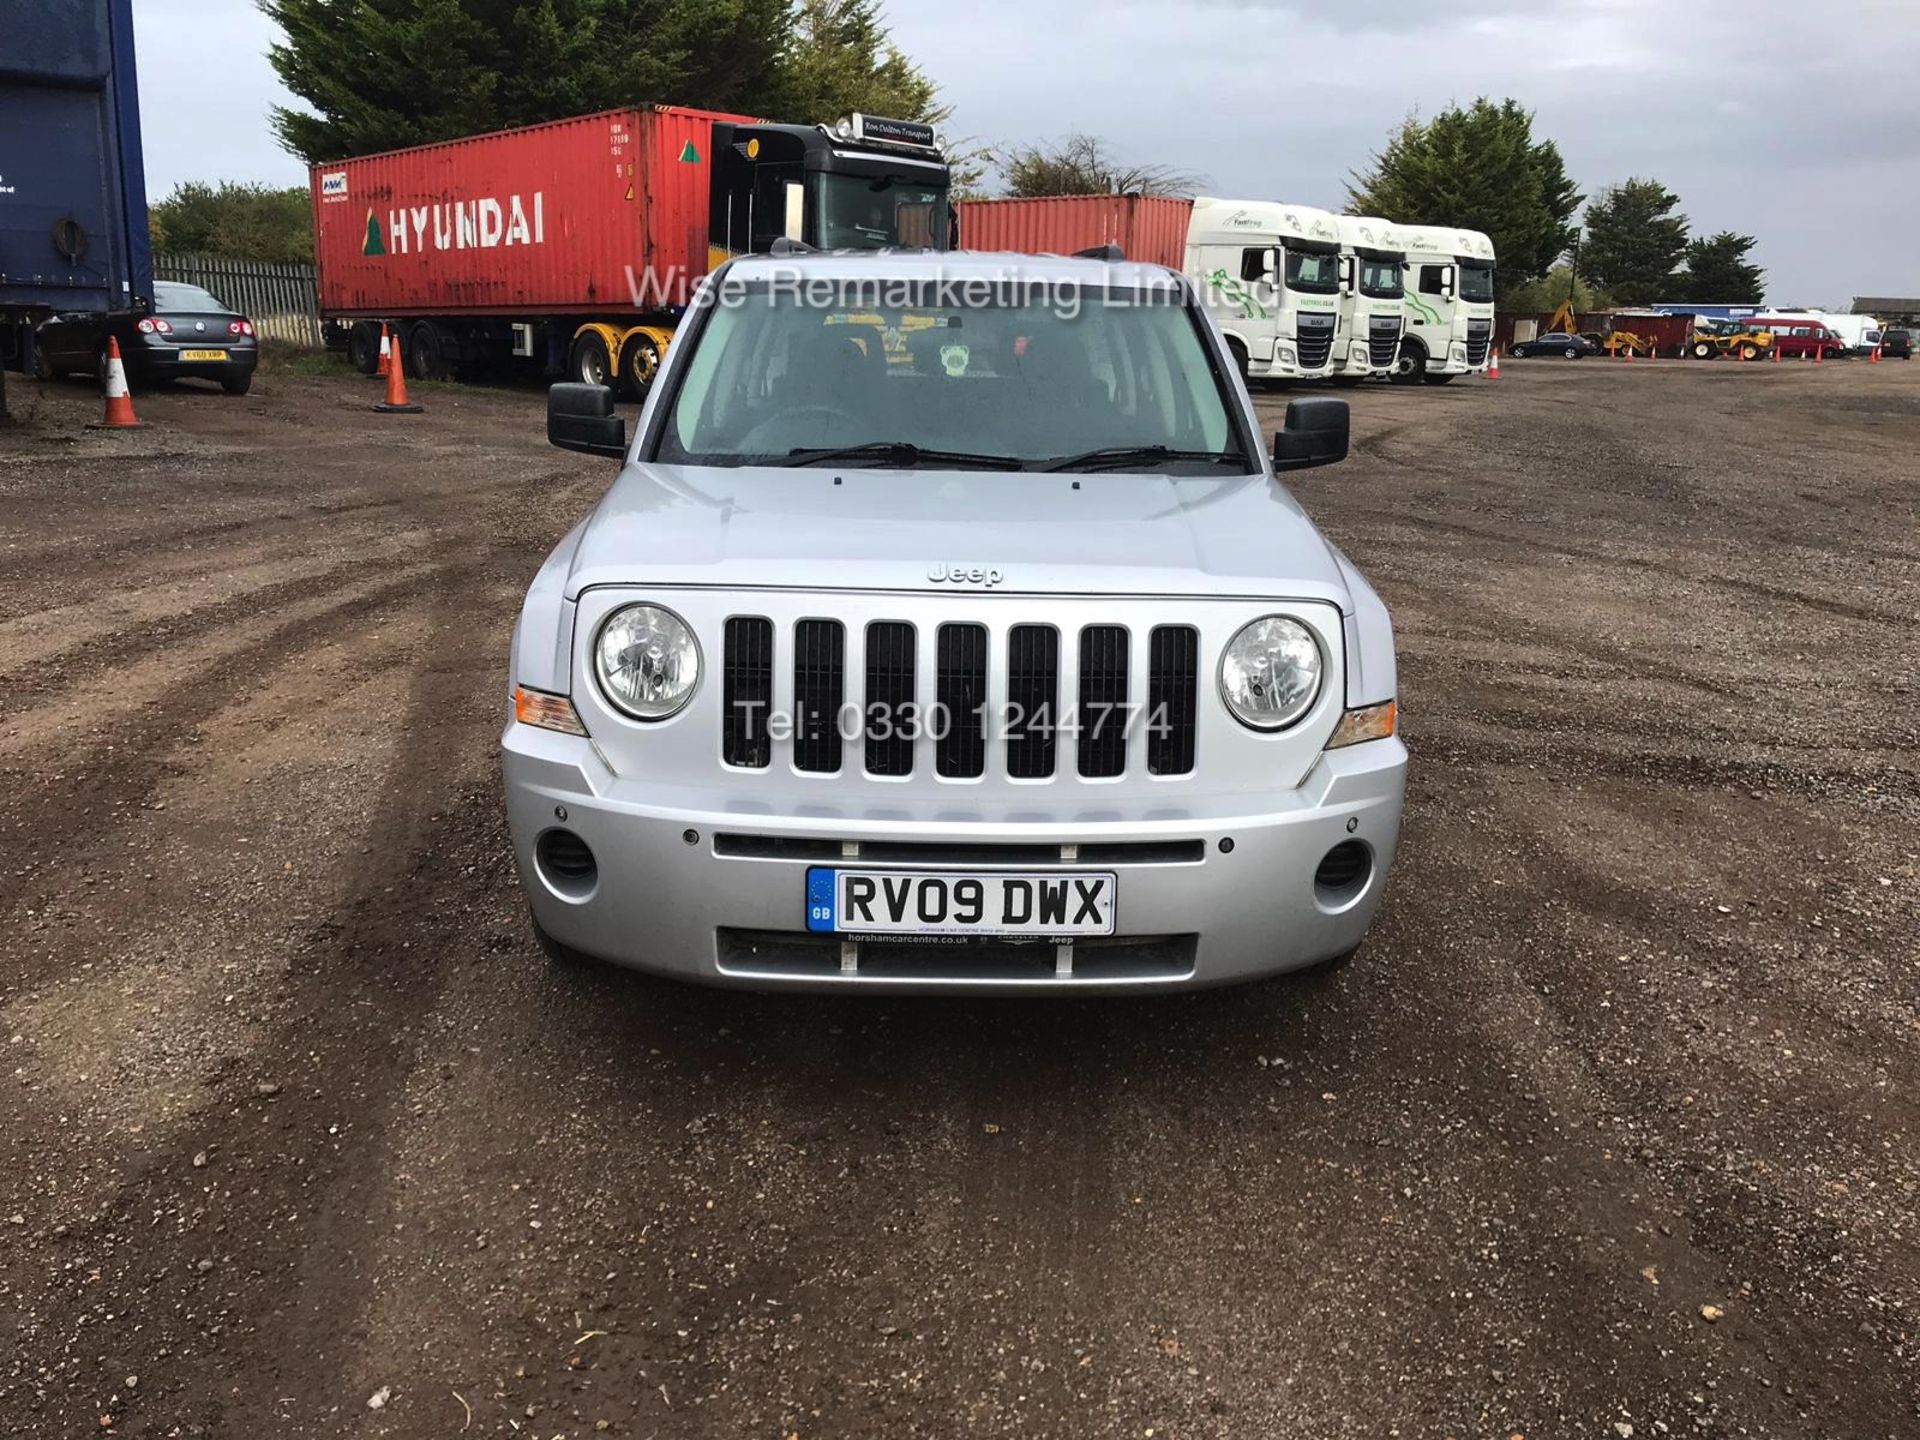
column 1118, row 455
column 903, row 454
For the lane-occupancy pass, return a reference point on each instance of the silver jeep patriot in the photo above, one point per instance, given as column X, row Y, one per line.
column 948, row 628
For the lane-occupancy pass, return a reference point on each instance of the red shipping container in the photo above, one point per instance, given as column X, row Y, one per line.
column 549, row 219
column 1149, row 228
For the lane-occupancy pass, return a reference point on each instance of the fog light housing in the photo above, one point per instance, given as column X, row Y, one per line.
column 567, row 864
column 1344, row 874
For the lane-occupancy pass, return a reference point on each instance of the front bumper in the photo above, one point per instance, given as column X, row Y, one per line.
column 696, row 883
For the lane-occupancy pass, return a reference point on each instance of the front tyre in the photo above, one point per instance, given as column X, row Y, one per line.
column 1436, row 379
column 588, row 362
column 1410, row 366
column 1702, row 350
column 1749, row 352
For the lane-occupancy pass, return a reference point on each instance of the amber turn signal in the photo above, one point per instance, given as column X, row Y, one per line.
column 1370, row 722
column 546, row 712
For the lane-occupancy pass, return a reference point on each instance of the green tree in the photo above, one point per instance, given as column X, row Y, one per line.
column 378, row 74
column 1718, row 272
column 1084, row 165
column 1544, row 296
column 250, row 222
column 1479, row 168
column 840, row 59
column 1634, row 241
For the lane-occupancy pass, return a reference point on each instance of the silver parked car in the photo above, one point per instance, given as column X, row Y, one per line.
column 948, row 628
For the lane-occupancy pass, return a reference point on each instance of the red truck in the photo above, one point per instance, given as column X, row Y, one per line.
column 574, row 245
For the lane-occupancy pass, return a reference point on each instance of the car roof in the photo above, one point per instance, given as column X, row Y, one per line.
column 960, row 265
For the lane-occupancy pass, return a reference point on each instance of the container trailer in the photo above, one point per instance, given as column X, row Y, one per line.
column 73, row 194
column 575, row 244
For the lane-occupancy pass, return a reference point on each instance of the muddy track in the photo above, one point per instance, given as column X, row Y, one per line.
column 298, row 1115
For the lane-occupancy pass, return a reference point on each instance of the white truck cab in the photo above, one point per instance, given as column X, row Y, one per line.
column 1373, row 303
column 1270, row 274
column 1449, row 304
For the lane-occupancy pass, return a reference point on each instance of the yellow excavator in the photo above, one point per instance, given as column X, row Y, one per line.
column 1612, row 340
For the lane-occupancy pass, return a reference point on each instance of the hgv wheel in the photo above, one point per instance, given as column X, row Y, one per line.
column 363, row 347
column 639, row 363
column 1410, row 366
column 426, row 352
column 588, row 362
column 1436, row 379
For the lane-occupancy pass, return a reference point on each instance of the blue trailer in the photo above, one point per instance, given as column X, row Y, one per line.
column 73, row 191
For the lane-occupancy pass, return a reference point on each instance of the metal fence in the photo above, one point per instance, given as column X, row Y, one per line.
column 281, row 300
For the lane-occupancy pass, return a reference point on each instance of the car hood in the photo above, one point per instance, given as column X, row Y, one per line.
column 1010, row 534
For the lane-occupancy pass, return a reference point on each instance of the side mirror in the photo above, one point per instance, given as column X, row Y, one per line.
column 1316, row 434
column 580, row 417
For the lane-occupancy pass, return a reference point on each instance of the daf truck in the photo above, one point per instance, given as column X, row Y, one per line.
column 1449, row 305
column 1366, row 337
column 573, row 247
column 1271, row 276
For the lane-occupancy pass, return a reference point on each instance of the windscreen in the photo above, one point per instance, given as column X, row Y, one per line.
column 172, row 295
column 1380, row 279
column 1316, row 272
column 1013, row 380
column 1476, row 284
column 874, row 212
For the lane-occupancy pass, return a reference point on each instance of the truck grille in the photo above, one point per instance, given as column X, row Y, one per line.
column 1479, row 336
column 1383, row 340
column 1313, row 335
column 1020, row 735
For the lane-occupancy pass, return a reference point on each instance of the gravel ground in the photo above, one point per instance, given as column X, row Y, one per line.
column 1610, row 1131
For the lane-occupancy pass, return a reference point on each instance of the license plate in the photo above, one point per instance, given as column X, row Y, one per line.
column 1058, row 905
column 203, row 354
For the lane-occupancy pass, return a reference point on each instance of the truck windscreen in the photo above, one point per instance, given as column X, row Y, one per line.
column 877, row 212
column 1316, row 272
column 1476, row 284
column 1380, row 279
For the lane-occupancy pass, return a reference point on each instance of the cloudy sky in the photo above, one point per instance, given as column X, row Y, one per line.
column 1794, row 120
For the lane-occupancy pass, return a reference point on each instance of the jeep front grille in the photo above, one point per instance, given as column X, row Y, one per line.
column 746, row 686
column 819, row 690
column 1020, row 734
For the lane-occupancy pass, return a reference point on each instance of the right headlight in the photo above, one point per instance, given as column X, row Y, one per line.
column 1270, row 673
column 647, row 661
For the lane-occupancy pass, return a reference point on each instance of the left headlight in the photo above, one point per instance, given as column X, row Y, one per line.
column 647, row 661
column 1270, row 673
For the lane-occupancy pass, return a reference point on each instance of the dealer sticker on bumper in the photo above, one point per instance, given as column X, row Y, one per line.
column 1045, row 905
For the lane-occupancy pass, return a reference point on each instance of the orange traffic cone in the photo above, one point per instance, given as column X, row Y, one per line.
column 119, row 412
column 1493, row 365
column 386, row 355
column 1776, row 354
column 396, row 402
column 1819, row 354
column 1876, row 354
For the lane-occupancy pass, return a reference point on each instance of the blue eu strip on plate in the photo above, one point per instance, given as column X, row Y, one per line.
column 820, row 901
